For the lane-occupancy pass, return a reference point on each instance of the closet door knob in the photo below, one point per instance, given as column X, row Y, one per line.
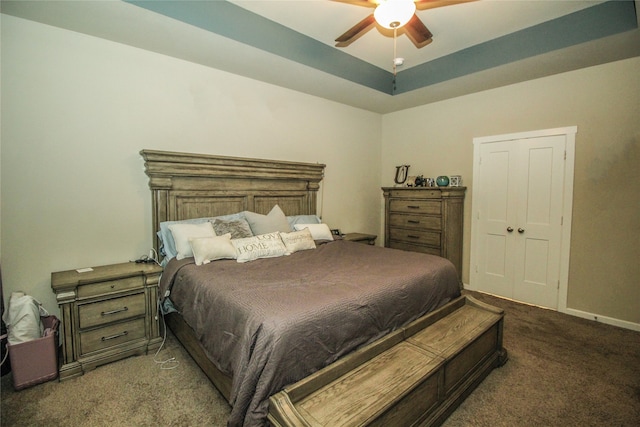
column 520, row 230
column 509, row 229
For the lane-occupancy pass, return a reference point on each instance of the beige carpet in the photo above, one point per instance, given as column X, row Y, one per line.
column 562, row 371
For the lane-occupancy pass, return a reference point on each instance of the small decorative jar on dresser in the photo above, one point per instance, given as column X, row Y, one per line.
column 425, row 219
column 107, row 313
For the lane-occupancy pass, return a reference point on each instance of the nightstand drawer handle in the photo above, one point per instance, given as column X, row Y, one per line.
column 411, row 236
column 413, row 221
column 106, row 313
column 123, row 334
column 413, row 207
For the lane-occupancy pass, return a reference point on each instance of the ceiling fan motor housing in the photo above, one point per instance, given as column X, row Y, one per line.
column 394, row 13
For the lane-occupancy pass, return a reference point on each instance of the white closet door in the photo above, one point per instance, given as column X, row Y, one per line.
column 497, row 184
column 518, row 208
column 538, row 224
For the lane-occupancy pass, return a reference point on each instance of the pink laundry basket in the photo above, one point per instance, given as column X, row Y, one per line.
column 36, row 361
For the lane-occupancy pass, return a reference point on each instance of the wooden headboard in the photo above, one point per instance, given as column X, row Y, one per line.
column 185, row 186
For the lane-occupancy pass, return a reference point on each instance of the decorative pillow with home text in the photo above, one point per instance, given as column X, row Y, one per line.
column 268, row 245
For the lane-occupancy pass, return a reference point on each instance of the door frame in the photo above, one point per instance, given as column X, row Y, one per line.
column 567, row 202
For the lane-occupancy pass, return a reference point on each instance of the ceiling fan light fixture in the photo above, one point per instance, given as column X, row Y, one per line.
column 394, row 13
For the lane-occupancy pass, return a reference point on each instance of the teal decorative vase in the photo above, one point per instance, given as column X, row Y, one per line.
column 442, row 181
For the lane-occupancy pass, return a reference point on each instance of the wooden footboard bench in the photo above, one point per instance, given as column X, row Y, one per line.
column 415, row 376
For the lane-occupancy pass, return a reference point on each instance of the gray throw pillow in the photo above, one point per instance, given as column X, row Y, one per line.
column 264, row 224
column 239, row 228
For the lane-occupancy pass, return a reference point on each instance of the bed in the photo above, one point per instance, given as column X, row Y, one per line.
column 259, row 326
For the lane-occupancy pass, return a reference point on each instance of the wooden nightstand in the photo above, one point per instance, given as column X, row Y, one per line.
column 107, row 314
column 361, row 237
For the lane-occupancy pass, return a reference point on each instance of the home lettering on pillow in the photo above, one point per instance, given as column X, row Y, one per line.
column 261, row 246
column 250, row 247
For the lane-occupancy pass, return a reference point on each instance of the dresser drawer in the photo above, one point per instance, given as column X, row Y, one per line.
column 414, row 248
column 112, row 335
column 110, row 286
column 100, row 313
column 422, row 193
column 420, row 207
column 418, row 237
column 417, row 222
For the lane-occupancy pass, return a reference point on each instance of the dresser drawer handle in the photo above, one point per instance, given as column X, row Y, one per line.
column 413, row 221
column 119, row 310
column 413, row 207
column 122, row 334
column 411, row 236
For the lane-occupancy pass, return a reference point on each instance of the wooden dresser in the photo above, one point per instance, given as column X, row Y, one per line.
column 107, row 313
column 425, row 219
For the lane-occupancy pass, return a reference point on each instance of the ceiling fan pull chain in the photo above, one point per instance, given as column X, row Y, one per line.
column 395, row 34
column 395, row 48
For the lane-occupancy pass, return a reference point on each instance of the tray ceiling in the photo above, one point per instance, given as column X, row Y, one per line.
column 290, row 43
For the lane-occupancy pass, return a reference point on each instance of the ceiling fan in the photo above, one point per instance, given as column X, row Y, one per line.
column 394, row 14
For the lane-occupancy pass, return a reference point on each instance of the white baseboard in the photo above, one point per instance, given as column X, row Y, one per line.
column 604, row 319
column 579, row 313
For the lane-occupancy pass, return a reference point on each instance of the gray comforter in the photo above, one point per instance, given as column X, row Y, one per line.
column 272, row 322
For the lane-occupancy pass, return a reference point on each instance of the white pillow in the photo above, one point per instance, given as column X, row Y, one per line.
column 264, row 224
column 318, row 231
column 169, row 246
column 207, row 249
column 302, row 219
column 298, row 240
column 262, row 246
column 183, row 232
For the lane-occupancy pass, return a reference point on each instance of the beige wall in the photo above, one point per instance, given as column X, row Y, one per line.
column 604, row 103
column 76, row 112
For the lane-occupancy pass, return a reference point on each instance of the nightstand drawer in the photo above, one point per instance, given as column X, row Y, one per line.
column 418, row 222
column 109, row 336
column 112, row 310
column 109, row 287
column 417, row 237
column 421, row 207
